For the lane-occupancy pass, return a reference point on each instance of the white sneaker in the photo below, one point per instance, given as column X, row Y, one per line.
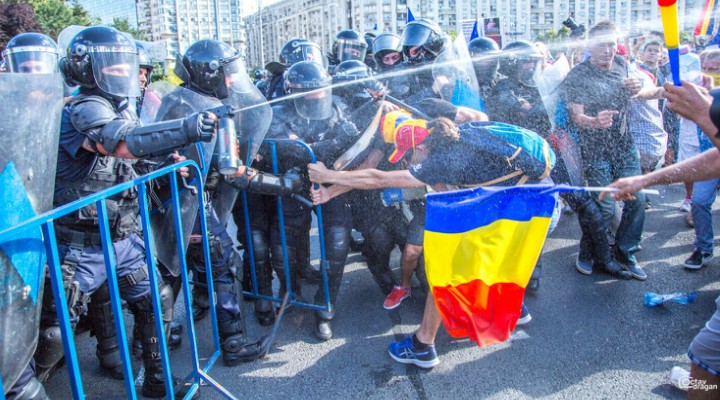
column 686, row 205
column 679, row 377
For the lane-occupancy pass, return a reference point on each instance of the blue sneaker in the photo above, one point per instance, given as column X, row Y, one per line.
column 404, row 352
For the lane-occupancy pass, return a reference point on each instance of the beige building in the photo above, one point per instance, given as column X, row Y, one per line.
column 183, row 22
column 319, row 20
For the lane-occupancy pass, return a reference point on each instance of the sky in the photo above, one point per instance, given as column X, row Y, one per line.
column 251, row 6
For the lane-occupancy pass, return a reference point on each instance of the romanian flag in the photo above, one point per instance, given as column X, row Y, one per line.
column 480, row 249
column 702, row 26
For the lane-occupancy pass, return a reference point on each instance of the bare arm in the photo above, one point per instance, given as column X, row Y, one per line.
column 650, row 93
column 363, row 179
column 603, row 120
column 702, row 167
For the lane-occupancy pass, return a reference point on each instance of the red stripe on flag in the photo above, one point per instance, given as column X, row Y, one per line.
column 665, row 3
column 703, row 16
column 486, row 314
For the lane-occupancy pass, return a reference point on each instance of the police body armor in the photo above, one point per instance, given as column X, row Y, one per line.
column 107, row 171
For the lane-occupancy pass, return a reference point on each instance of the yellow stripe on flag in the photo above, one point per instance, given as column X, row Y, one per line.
column 504, row 251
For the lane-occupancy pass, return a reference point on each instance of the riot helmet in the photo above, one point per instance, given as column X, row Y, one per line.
column 387, row 51
column 259, row 75
column 104, row 58
column 485, row 58
column 348, row 45
column 32, row 53
column 423, row 40
column 296, row 50
column 312, row 83
column 349, row 71
column 522, row 61
column 211, row 67
column 145, row 62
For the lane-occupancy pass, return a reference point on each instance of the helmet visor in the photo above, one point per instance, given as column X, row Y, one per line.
column 351, row 50
column 313, row 53
column 315, row 104
column 116, row 70
column 236, row 77
column 415, row 35
column 32, row 60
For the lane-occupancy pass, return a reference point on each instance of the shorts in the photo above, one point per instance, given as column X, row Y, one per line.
column 416, row 230
column 704, row 350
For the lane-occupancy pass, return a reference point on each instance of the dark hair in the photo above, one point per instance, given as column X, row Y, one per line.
column 442, row 132
column 602, row 28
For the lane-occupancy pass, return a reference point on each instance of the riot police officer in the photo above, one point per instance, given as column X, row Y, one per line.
column 348, row 45
column 30, row 53
column 312, row 118
column 214, row 69
column 485, row 54
column 99, row 139
column 293, row 51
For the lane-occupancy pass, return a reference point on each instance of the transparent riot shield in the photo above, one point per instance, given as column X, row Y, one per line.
column 454, row 76
column 28, row 158
column 252, row 118
column 164, row 101
column 359, row 150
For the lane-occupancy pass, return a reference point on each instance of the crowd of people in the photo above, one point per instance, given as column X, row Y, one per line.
column 385, row 118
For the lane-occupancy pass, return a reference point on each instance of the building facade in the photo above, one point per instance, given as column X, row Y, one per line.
column 319, row 20
column 107, row 10
column 179, row 23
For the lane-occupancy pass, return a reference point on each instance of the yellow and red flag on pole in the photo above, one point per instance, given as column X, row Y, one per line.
column 702, row 26
column 480, row 249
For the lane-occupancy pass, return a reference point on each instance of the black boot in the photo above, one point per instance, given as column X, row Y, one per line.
column 263, row 272
column 103, row 326
column 154, row 384
column 235, row 346
column 33, row 390
column 200, row 302
column 323, row 327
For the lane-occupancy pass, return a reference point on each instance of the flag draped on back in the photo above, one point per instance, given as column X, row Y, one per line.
column 480, row 249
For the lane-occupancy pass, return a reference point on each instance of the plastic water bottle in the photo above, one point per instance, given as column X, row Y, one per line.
column 654, row 299
column 679, row 377
column 690, row 67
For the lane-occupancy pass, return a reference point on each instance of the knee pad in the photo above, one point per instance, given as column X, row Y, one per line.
column 49, row 349
column 260, row 245
column 337, row 244
column 101, row 314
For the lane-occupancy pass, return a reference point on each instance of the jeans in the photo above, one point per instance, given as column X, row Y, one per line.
column 604, row 172
column 704, row 193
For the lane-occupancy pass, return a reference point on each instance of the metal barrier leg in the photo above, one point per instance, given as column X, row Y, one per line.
column 62, row 309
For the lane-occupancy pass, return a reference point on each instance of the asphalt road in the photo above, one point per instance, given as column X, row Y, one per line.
column 591, row 337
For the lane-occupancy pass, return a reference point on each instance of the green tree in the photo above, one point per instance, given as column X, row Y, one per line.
column 16, row 18
column 123, row 25
column 56, row 15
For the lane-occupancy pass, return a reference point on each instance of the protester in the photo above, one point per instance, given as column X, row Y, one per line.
column 692, row 102
column 444, row 156
column 597, row 93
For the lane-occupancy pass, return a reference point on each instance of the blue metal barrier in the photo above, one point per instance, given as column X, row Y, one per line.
column 283, row 241
column 46, row 223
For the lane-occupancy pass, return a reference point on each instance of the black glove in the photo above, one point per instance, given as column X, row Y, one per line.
column 200, row 127
column 345, row 134
column 373, row 84
column 284, row 185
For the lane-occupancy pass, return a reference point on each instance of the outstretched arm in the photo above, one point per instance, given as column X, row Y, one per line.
column 363, row 179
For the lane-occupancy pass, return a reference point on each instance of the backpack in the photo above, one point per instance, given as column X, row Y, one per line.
column 528, row 155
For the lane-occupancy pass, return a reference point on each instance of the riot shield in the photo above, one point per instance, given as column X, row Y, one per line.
column 549, row 81
column 176, row 102
column 252, row 121
column 28, row 157
column 454, row 76
column 359, row 150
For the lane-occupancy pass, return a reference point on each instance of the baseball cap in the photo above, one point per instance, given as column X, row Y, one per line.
column 407, row 136
column 390, row 121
